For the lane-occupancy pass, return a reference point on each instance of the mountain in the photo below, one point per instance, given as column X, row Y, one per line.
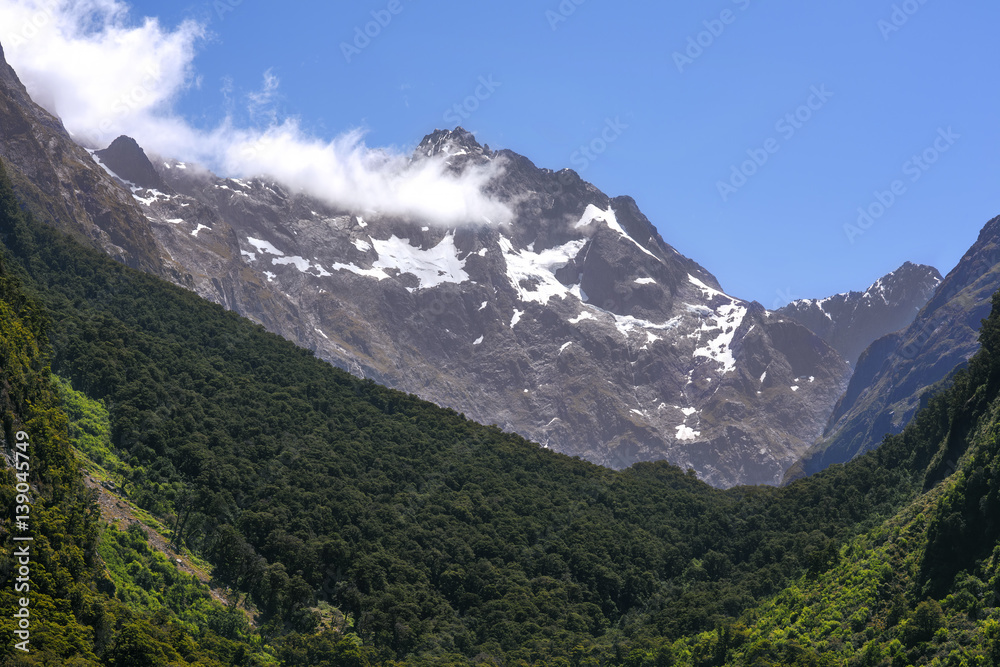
column 58, row 181
column 895, row 375
column 852, row 321
column 353, row 524
column 510, row 323
column 356, row 525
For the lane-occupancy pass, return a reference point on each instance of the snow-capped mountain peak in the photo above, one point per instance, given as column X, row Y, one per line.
column 575, row 324
column 452, row 143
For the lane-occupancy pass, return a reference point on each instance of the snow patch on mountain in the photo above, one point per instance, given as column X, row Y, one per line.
column 627, row 323
column 432, row 267
column 594, row 214
column 152, row 195
column 726, row 320
column 687, row 433
column 377, row 274
column 532, row 274
column 300, row 263
column 264, row 247
column 709, row 292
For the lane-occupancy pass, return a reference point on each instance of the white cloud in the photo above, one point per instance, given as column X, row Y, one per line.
column 105, row 74
column 86, row 62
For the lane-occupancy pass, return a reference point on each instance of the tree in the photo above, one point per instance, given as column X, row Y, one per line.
column 134, row 648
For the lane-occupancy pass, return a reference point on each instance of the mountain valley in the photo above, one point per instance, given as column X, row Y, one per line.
column 346, row 437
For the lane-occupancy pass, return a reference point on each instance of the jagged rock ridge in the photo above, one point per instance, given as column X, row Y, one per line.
column 852, row 321
column 575, row 324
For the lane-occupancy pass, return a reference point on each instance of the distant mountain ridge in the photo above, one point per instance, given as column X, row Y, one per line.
column 852, row 321
column 896, row 373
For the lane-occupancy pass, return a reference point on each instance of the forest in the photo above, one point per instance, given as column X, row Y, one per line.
column 357, row 525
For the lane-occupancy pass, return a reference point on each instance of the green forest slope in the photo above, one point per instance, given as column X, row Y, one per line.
column 95, row 592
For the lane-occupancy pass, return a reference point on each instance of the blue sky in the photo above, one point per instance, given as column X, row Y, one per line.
column 890, row 89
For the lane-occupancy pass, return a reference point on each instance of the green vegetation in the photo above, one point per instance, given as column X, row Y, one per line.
column 89, row 427
column 76, row 612
column 364, row 526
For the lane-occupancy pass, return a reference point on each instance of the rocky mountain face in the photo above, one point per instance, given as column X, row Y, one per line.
column 852, row 321
column 60, row 183
column 898, row 370
column 576, row 325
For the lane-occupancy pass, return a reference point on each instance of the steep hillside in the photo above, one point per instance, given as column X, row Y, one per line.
column 852, row 321
column 64, row 602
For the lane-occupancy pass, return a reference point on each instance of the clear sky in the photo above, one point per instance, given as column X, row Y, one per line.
column 829, row 101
